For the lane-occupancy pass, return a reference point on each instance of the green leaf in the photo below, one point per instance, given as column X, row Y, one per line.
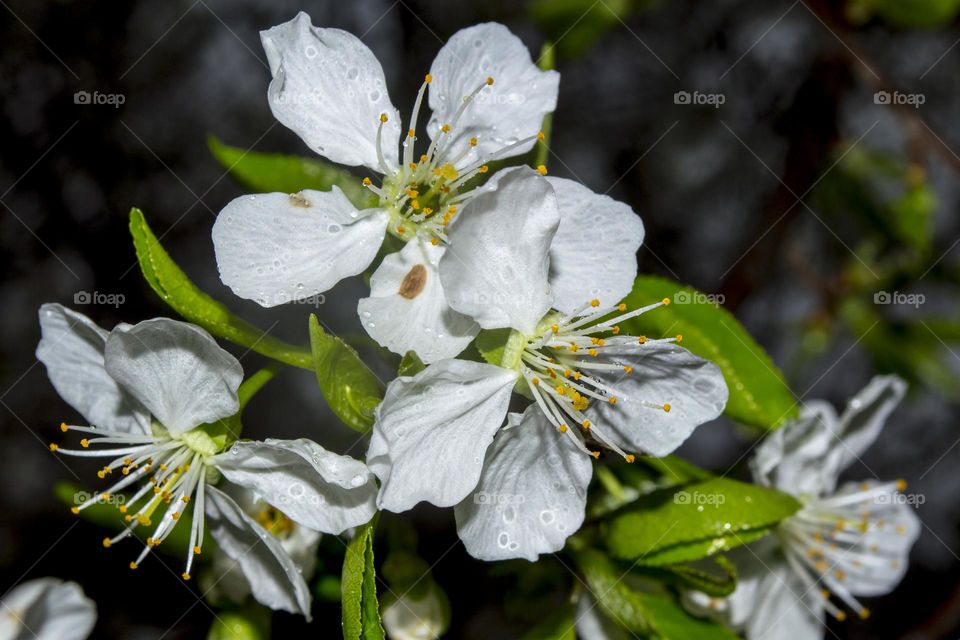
column 275, row 172
column 695, row 520
column 350, row 388
column 360, row 611
column 559, row 625
column 758, row 395
column 643, row 612
column 541, row 151
column 491, row 344
column 249, row 387
column 410, row 364
column 175, row 288
column 715, row 576
column 249, row 623
column 576, row 25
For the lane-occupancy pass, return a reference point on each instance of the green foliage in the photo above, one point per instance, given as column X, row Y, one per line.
column 559, row 625
column 348, row 385
column 275, row 172
column 906, row 13
column 175, row 288
column 641, row 610
column 715, row 576
column 758, row 395
column 410, row 364
column 249, row 623
column 360, row 611
column 575, row 25
column 693, row 521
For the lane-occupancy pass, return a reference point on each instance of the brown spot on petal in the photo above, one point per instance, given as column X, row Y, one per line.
column 299, row 200
column 414, row 282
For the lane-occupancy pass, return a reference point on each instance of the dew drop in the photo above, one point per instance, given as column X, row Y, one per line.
column 353, row 73
column 334, row 228
column 547, row 517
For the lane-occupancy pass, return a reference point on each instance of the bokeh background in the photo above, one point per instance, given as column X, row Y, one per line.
column 810, row 182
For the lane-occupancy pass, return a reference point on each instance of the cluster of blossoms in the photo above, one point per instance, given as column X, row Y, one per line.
column 543, row 262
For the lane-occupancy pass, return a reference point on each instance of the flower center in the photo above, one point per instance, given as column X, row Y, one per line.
column 831, row 539
column 169, row 471
column 423, row 195
column 565, row 364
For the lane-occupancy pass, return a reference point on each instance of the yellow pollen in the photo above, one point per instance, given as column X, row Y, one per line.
column 383, row 118
column 555, row 328
column 612, row 400
column 185, row 575
column 536, row 382
column 401, row 230
column 445, row 128
column 127, row 461
column 567, row 373
column 864, row 613
column 586, row 424
column 133, row 566
column 541, row 136
column 424, row 157
column 85, row 443
column 596, row 455
column 427, row 211
column 561, row 390
column 601, row 342
column 483, row 169
column 630, row 458
column 106, row 543
column 54, row 446
column 149, row 542
column 411, row 133
column 122, row 508
column 616, row 329
column 594, row 303
column 841, row 615
column 196, row 551
column 825, row 594
column 174, row 516
column 628, row 369
column 413, row 166
column 414, row 204
column 901, row 485
column 449, row 172
column 666, row 301
column 593, row 352
column 64, row 427
column 563, row 428
column 622, row 306
column 101, row 474
column 473, row 142
column 428, row 78
column 864, row 486
column 74, row 510
column 901, row 529
column 679, row 338
column 452, row 209
column 573, row 347
column 667, row 407
column 821, row 565
column 367, row 182
column 489, row 80
column 434, row 241
column 577, row 375
column 642, row 339
column 542, row 169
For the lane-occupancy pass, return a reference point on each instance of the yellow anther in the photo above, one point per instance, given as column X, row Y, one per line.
column 561, row 390
column 424, row 157
column 411, row 133
column 864, row 613
column 825, row 594
column 85, row 443
column 127, row 461
column 483, row 169
column 567, row 373
column 536, row 382
column 864, row 486
column 473, row 142
column 841, row 615
column 573, row 347
column 821, row 565
column 101, row 474
column 174, row 516
column 542, row 169
column 143, row 520
column 586, row 424
column 562, row 428
column 601, row 342
column 163, row 466
column 577, row 375
column 185, row 575
column 622, row 306
column 428, row 78
column 452, row 209
column 555, row 328
column 628, row 369
column 413, row 166
column 616, row 329
column 679, row 338
column 383, row 117
column 427, row 211
column 596, row 455
column 642, row 339
column 64, row 427
column 449, row 172
column 541, row 136
column 54, row 446
column 74, row 510
column 901, row 529
column 667, row 407
column 489, row 80
column 367, row 182
column 612, row 400
column 149, row 542
column 122, row 508
column 901, row 485
column 630, row 458
column 445, row 128
column 594, row 303
column 414, row 204
column 106, row 543
column 593, row 352
column 133, row 565
column 666, row 301
column 434, row 241
column 196, row 551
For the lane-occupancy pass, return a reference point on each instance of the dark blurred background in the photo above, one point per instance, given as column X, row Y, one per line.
column 808, row 175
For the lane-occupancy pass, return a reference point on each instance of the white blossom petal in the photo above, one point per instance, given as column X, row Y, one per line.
column 593, row 254
column 784, row 607
column 532, row 493
column 329, row 89
column 274, row 248
column 272, row 574
column 432, row 430
column 71, row 346
column 176, row 370
column 510, row 109
column 792, row 457
column 312, row 486
column 46, row 609
column 663, row 373
column 407, row 309
column 864, row 417
column 496, row 268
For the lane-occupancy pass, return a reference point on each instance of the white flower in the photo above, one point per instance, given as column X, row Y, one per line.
column 424, row 616
column 160, row 395
column 587, row 380
column 46, row 609
column 488, row 101
column 843, row 543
